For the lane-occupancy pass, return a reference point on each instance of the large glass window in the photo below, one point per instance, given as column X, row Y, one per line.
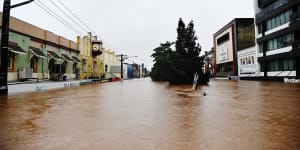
column 278, row 20
column 282, row 65
column 280, row 42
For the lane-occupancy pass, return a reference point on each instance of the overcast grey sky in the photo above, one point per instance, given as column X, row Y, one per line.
column 136, row 27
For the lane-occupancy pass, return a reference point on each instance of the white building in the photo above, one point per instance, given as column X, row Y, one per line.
column 247, row 62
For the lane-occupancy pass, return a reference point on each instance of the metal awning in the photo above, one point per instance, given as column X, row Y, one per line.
column 66, row 57
column 15, row 48
column 76, row 59
column 54, row 55
column 37, row 52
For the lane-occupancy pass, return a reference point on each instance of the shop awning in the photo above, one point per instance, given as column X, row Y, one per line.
column 66, row 57
column 54, row 55
column 37, row 52
column 76, row 59
column 15, row 48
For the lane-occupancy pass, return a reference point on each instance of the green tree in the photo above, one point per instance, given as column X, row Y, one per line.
column 179, row 66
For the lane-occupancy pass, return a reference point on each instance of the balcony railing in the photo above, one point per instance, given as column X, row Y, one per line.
column 270, row 8
column 264, row 3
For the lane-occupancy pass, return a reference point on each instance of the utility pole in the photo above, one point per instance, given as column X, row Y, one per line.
column 4, row 43
column 123, row 57
column 122, row 66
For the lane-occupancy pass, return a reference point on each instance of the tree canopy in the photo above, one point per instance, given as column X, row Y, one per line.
column 179, row 65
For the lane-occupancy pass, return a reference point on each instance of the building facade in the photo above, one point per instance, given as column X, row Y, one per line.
column 39, row 53
column 278, row 38
column 92, row 65
column 247, row 63
column 109, row 59
column 235, row 36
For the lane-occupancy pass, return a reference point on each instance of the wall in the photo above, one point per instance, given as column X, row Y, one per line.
column 224, row 51
column 246, row 69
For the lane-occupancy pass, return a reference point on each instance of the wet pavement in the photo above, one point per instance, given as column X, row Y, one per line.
column 141, row 114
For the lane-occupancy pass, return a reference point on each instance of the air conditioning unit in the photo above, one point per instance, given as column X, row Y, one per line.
column 25, row 73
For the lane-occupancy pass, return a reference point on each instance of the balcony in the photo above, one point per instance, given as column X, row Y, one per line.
column 264, row 3
column 295, row 21
column 271, row 10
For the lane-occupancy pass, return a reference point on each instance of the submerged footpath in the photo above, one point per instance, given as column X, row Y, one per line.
column 17, row 87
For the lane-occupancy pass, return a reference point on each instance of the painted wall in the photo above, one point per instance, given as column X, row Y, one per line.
column 224, row 51
column 25, row 35
column 247, row 62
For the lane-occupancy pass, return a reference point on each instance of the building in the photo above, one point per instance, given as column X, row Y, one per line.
column 92, row 64
column 109, row 59
column 38, row 53
column 247, row 63
column 278, row 38
column 236, row 35
column 208, row 61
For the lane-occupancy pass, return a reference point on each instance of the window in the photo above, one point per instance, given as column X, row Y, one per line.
column 280, row 42
column 285, row 65
column 278, row 20
column 252, row 58
column 282, row 65
column 10, row 63
column 84, row 65
column 106, row 68
column 74, row 67
column 34, row 63
column 260, row 47
column 65, row 66
column 275, row 44
column 287, row 16
column 223, row 39
column 282, row 19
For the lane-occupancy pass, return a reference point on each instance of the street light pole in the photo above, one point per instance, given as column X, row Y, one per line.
column 4, row 43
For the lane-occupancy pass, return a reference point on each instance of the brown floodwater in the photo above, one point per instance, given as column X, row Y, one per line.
column 141, row 114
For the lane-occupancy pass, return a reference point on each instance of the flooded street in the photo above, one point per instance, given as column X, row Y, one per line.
column 141, row 114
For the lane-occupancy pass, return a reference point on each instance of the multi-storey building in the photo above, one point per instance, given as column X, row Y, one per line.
column 92, row 65
column 278, row 38
column 40, row 53
column 235, row 36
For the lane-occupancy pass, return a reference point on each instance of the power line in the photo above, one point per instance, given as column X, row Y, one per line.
column 76, row 17
column 67, row 15
column 55, row 16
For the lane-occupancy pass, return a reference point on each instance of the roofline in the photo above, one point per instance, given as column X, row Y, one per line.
column 229, row 25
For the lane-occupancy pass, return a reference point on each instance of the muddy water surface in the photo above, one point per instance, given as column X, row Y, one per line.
column 141, row 114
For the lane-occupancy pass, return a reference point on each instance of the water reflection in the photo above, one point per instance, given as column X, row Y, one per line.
column 141, row 114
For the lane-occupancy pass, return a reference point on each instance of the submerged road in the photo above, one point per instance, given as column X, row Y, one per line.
column 141, row 114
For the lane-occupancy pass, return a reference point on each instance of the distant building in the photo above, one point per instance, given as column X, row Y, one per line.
column 236, row 35
column 208, row 61
column 278, row 38
column 109, row 59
